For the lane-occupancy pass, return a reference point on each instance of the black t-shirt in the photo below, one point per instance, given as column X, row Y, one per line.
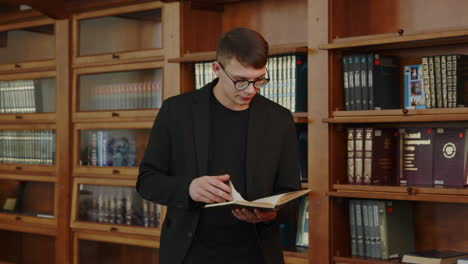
column 220, row 237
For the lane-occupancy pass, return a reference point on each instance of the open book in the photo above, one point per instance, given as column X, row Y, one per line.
column 268, row 203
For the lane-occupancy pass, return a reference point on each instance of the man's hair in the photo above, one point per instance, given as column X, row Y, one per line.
column 247, row 46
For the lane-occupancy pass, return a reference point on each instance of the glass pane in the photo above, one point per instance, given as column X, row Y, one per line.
column 28, row 44
column 124, row 32
column 117, row 205
column 16, row 247
column 34, row 147
column 21, row 197
column 94, row 252
column 117, row 148
column 121, row 90
column 27, row 96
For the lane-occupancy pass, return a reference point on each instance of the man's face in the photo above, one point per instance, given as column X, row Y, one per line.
column 225, row 91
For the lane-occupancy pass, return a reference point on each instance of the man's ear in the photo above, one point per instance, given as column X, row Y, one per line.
column 217, row 68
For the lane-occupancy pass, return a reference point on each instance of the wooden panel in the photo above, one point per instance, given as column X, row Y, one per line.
column 26, row 248
column 124, row 239
column 280, row 22
column 172, row 35
column 28, row 118
column 28, row 228
column 23, row 169
column 116, row 116
column 359, row 260
column 21, row 67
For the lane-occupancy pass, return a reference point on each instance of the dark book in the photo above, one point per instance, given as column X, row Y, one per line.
column 450, row 155
column 364, row 80
column 361, row 249
column 350, row 159
column 416, row 156
column 385, row 82
column 353, row 227
column 38, row 107
column 303, row 153
column 370, row 83
column 302, row 237
column 345, row 70
column 356, row 67
column 395, row 219
column 358, row 155
column 301, row 83
column 380, row 156
column 460, row 79
column 434, row 257
column 351, row 83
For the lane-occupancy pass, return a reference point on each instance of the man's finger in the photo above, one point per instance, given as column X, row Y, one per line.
column 216, row 182
column 219, row 192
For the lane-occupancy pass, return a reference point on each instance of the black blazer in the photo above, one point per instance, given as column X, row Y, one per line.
column 177, row 153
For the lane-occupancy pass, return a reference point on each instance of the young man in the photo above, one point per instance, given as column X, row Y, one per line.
column 224, row 131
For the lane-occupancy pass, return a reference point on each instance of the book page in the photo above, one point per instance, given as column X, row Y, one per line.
column 235, row 194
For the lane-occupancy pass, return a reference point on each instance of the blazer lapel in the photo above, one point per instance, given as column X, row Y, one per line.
column 256, row 132
column 202, row 124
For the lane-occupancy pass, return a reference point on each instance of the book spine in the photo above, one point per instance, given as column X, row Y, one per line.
column 383, row 229
column 352, row 102
column 359, row 229
column 357, row 82
column 426, row 84
column 367, row 171
column 450, row 92
column 367, row 233
column 432, row 82
column 364, row 88
column 370, row 80
column 443, row 73
column 359, row 154
column 438, row 81
column 352, row 226
column 344, row 60
column 351, row 153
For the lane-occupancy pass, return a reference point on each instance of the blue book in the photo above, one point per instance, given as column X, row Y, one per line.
column 414, row 93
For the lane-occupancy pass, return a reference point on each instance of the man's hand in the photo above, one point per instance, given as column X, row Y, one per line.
column 210, row 189
column 255, row 216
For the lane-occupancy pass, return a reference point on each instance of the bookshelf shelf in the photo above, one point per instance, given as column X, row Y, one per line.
column 357, row 260
column 116, row 116
column 26, row 67
column 211, row 55
column 301, row 118
column 18, row 226
column 295, row 256
column 399, row 116
column 427, row 194
column 28, row 118
column 401, row 41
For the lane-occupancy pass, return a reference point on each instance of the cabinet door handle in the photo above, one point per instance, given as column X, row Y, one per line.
column 17, row 65
column 115, row 56
column 113, row 229
column 114, row 171
column 114, row 114
column 18, row 218
column 19, row 117
column 409, row 190
column 19, row 168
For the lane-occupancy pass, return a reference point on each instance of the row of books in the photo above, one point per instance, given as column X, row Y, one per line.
column 370, row 82
column 408, row 156
column 20, row 96
column 138, row 95
column 444, row 78
column 108, row 148
column 381, row 229
column 35, row 147
column 117, row 205
column 288, row 80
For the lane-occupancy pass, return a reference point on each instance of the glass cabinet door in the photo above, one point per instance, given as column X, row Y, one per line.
column 27, row 44
column 18, row 247
column 116, row 205
column 132, row 31
column 32, row 147
column 21, row 197
column 113, row 147
column 127, row 90
column 27, row 96
column 98, row 252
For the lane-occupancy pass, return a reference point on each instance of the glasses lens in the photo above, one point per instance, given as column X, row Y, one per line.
column 242, row 85
column 261, row 83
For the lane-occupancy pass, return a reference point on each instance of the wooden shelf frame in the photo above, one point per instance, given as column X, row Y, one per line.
column 409, row 193
column 402, row 41
column 117, row 58
column 358, row 260
column 211, row 55
column 399, row 116
column 109, row 228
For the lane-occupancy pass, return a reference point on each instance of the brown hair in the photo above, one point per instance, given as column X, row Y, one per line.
column 245, row 45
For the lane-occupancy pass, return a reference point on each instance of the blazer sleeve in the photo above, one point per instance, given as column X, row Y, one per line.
column 155, row 180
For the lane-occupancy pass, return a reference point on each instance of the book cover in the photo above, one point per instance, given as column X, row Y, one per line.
column 386, row 82
column 384, row 154
column 415, row 97
column 425, row 82
column 267, row 203
column 300, row 96
column 450, row 154
column 350, row 156
column 302, row 238
column 396, row 228
column 352, row 227
column 417, row 156
column 345, row 70
column 434, row 257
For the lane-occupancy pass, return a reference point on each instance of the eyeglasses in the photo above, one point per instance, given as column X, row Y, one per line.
column 242, row 84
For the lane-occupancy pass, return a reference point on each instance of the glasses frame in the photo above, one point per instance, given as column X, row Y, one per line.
column 248, row 82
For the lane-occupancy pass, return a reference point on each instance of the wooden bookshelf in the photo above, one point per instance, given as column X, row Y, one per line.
column 211, row 55
column 399, row 116
column 408, row 32
column 402, row 41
